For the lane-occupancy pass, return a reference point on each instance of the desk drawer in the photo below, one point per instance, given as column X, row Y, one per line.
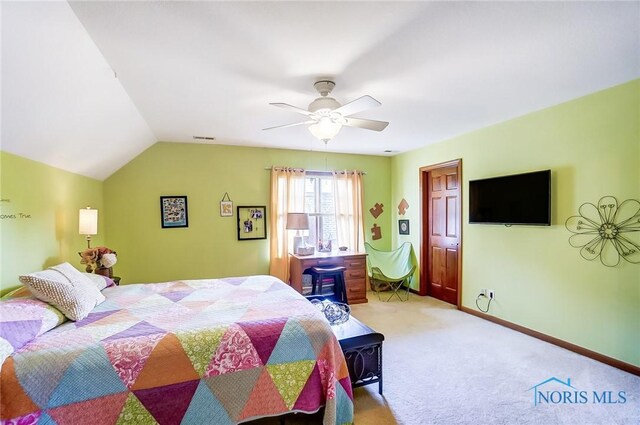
column 321, row 262
column 330, row 262
column 355, row 274
column 356, row 286
column 307, row 264
column 355, row 263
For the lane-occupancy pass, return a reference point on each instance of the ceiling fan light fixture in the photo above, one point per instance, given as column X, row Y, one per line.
column 325, row 129
column 337, row 118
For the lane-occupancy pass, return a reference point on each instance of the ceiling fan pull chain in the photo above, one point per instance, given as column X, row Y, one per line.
column 325, row 155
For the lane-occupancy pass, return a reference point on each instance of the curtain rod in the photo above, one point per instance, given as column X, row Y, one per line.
column 314, row 171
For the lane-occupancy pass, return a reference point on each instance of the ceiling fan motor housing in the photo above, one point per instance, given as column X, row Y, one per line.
column 324, row 87
column 323, row 104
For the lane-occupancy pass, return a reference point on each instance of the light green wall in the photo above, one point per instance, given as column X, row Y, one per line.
column 209, row 246
column 52, row 198
column 592, row 146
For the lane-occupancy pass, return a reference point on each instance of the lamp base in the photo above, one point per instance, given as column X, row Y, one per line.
column 297, row 241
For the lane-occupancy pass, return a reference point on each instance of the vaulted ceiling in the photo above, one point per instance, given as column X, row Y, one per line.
column 86, row 86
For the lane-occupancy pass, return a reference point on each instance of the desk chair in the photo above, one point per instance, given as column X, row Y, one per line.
column 319, row 274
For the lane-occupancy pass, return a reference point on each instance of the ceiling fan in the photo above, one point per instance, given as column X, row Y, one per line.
column 326, row 116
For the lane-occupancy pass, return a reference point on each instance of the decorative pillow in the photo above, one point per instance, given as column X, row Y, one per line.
column 70, row 273
column 22, row 320
column 100, row 281
column 19, row 292
column 73, row 275
column 73, row 294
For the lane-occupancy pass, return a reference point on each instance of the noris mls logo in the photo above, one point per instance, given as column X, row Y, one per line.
column 556, row 391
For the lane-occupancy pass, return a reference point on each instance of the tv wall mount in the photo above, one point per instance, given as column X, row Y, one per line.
column 609, row 231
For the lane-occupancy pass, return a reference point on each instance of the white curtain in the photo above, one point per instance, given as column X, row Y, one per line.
column 287, row 195
column 348, row 193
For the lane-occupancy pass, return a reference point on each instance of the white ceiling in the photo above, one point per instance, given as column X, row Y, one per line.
column 61, row 104
column 211, row 68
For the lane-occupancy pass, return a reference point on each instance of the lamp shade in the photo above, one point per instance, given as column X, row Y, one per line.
column 325, row 129
column 297, row 221
column 88, row 221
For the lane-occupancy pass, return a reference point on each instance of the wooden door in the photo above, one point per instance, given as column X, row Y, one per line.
column 442, row 219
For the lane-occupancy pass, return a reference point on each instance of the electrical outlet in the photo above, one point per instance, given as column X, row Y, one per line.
column 483, row 292
column 491, row 294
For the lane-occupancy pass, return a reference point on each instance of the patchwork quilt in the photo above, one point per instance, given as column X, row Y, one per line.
column 219, row 351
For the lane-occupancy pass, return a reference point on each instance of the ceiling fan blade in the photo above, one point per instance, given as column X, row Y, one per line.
column 290, row 125
column 358, row 105
column 292, row 108
column 368, row 124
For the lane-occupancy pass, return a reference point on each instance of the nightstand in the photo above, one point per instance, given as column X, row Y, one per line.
column 116, row 280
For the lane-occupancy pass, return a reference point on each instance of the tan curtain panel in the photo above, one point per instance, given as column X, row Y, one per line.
column 348, row 192
column 287, row 195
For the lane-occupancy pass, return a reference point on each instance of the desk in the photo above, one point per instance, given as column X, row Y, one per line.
column 355, row 275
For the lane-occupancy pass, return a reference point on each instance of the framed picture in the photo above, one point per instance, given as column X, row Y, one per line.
column 252, row 223
column 226, row 206
column 403, row 227
column 173, row 211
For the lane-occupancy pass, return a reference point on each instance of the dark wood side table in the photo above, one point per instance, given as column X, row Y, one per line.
column 116, row 280
column 362, row 348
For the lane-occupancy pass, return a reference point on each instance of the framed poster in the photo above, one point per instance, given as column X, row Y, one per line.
column 173, row 211
column 252, row 223
column 403, row 227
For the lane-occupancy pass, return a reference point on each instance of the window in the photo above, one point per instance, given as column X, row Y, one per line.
column 333, row 201
column 319, row 203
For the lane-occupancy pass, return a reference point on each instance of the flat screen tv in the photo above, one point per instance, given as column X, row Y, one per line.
column 515, row 199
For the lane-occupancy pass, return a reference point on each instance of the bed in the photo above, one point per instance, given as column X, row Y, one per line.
column 219, row 351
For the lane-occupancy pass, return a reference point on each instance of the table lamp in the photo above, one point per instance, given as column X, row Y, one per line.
column 88, row 223
column 297, row 222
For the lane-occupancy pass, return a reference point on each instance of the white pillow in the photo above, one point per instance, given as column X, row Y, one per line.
column 69, row 272
column 101, row 282
column 65, row 288
column 73, row 275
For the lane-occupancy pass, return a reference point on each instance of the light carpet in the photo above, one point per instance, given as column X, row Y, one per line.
column 443, row 366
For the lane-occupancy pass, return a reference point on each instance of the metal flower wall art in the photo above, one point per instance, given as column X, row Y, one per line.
column 609, row 230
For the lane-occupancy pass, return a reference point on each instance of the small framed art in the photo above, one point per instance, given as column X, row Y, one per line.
column 173, row 211
column 226, row 206
column 403, row 227
column 252, row 223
